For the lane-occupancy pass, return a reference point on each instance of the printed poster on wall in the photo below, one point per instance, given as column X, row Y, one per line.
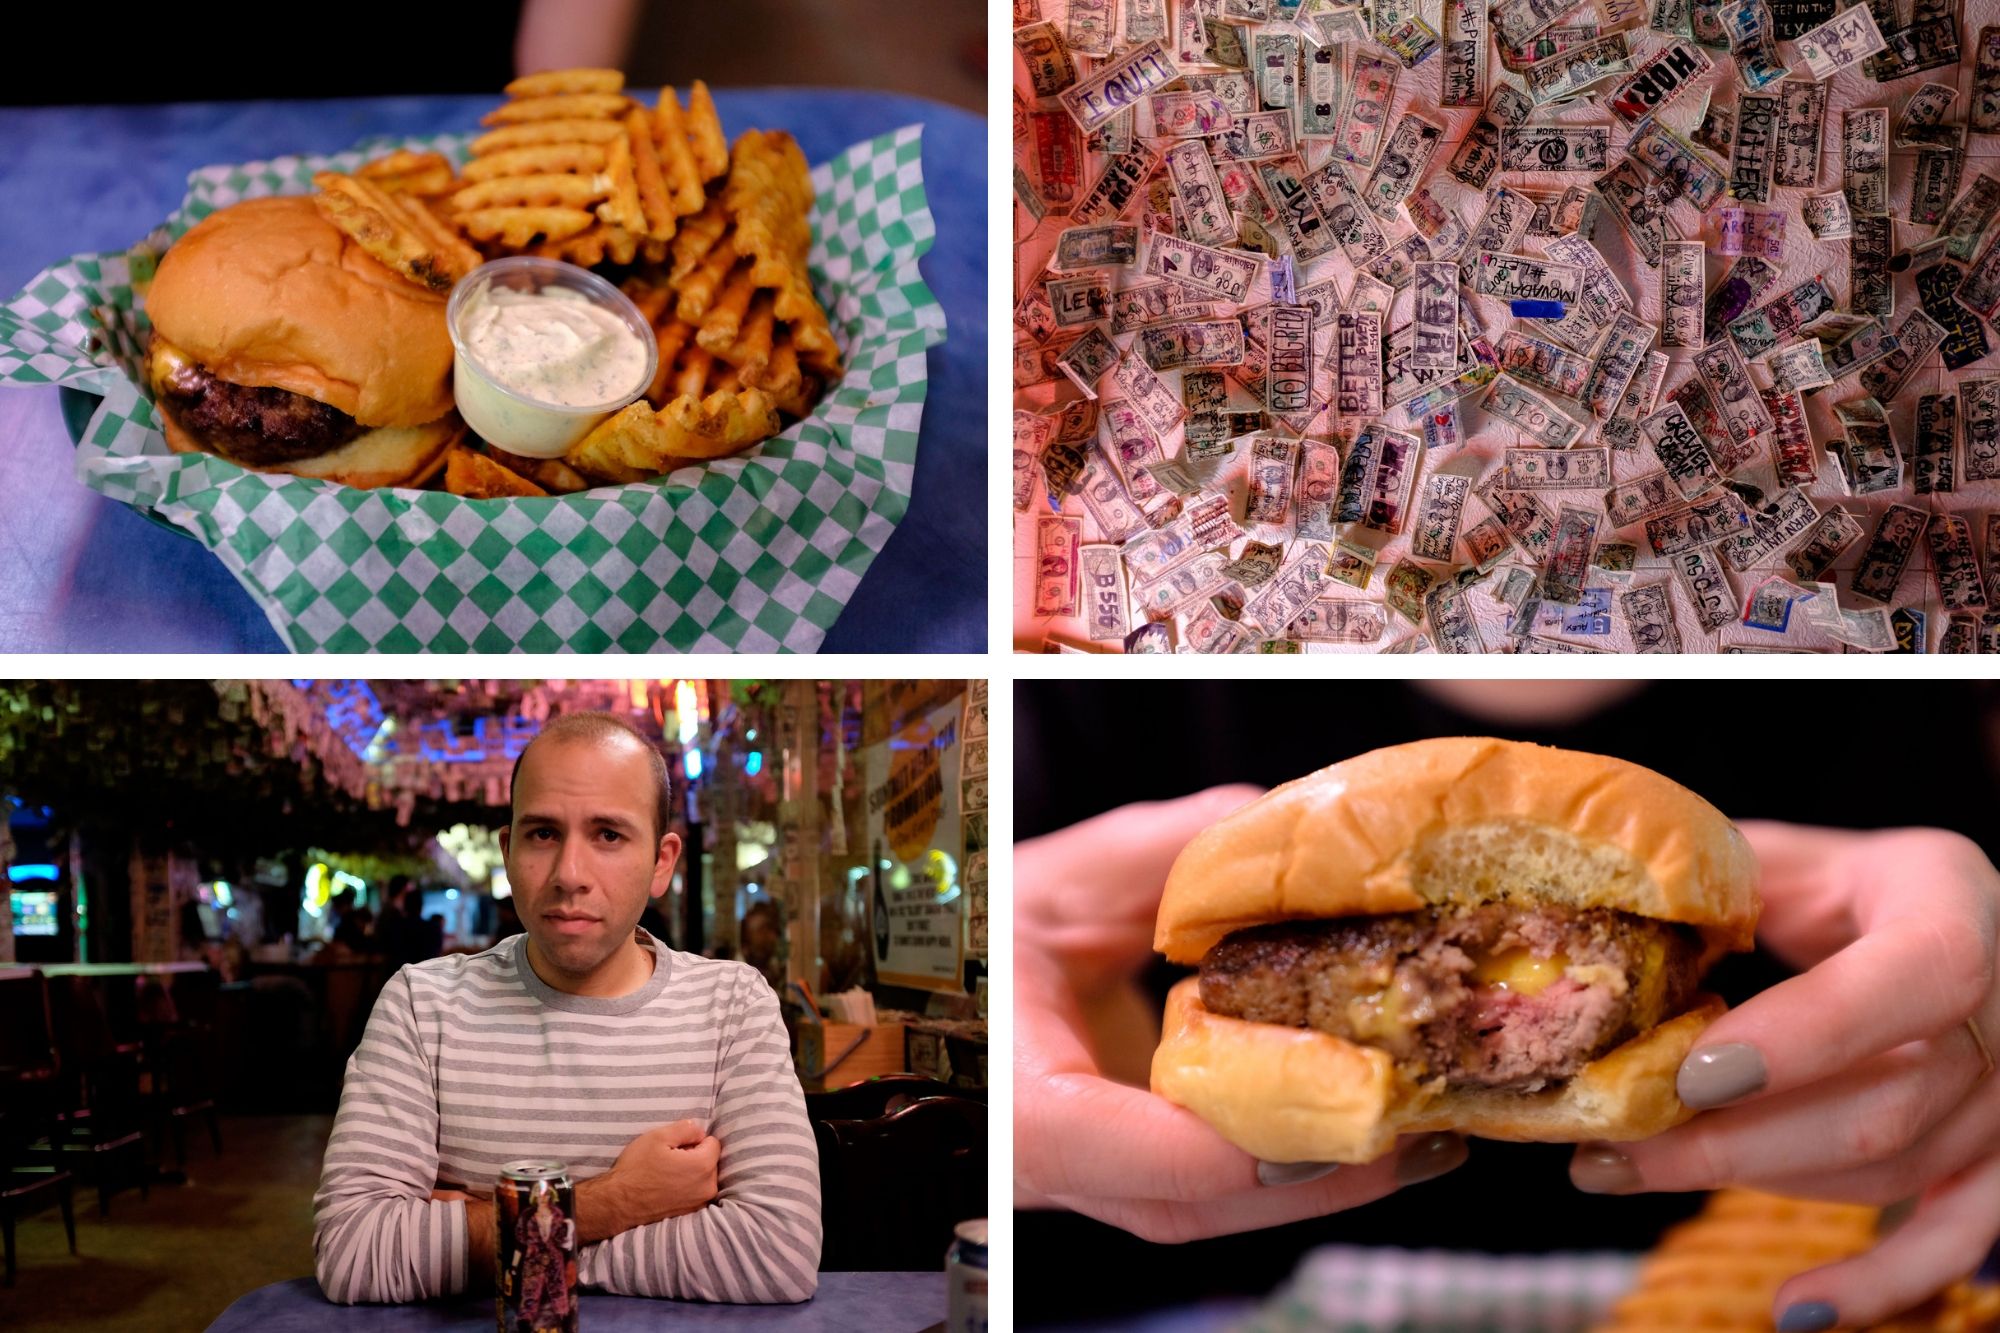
column 915, row 823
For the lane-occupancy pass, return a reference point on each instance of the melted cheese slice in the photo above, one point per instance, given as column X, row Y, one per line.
column 1519, row 971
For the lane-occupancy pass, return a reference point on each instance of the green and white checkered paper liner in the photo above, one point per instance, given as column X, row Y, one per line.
column 1364, row 1289
column 751, row 554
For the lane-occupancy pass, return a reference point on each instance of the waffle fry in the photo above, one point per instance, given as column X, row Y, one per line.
column 518, row 227
column 537, row 160
column 1720, row 1272
column 410, row 241
column 697, row 237
column 555, row 82
column 639, row 442
column 682, row 173
column 768, row 198
column 697, row 291
column 551, row 474
column 478, row 477
column 723, row 319
column 639, row 200
column 711, row 150
column 750, row 350
column 543, row 132
column 545, row 190
column 404, row 172
column 563, row 106
column 599, row 244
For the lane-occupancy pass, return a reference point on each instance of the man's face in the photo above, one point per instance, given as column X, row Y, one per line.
column 581, row 853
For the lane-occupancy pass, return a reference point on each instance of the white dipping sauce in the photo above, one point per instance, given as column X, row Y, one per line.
column 554, row 345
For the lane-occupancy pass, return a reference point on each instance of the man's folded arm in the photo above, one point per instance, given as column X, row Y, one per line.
column 759, row 1242
column 377, row 1234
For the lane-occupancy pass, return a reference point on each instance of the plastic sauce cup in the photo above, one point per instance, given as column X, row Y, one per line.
column 508, row 418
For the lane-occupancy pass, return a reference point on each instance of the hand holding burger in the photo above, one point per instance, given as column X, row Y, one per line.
column 1480, row 936
column 1867, row 1078
column 1085, row 1138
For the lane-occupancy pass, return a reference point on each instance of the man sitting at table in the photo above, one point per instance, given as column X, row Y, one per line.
column 663, row 1079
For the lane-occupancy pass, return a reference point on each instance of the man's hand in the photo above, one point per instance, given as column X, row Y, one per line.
column 665, row 1172
column 479, row 1238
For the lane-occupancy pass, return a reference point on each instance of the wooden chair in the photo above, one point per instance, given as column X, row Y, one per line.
column 179, row 1040
column 892, row 1187
column 96, row 1130
column 28, row 1087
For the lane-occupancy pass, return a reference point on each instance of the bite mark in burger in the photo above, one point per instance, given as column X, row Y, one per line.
column 279, row 344
column 1472, row 935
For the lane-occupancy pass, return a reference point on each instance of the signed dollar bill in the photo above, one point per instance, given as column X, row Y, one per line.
column 1846, row 39
column 1226, row 274
column 1881, row 568
column 1105, row 608
column 1702, row 577
column 1649, row 615
column 1057, row 537
column 1142, row 71
column 1824, row 542
column 1529, row 412
column 1681, row 271
column 1272, row 464
column 1558, row 469
column 1438, row 516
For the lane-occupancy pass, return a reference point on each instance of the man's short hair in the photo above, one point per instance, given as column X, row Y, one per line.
column 603, row 726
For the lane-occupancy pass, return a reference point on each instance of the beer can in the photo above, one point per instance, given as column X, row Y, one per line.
column 965, row 1278
column 534, row 1209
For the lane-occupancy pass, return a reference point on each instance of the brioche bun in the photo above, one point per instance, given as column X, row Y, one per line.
column 267, row 294
column 1440, row 824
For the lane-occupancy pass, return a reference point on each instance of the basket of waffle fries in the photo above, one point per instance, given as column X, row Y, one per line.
column 1721, row 1270
column 591, row 376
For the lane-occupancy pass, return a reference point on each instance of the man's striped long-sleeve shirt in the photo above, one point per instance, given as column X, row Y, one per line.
column 469, row 1062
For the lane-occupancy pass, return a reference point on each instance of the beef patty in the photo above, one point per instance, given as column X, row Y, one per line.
column 1490, row 996
column 254, row 426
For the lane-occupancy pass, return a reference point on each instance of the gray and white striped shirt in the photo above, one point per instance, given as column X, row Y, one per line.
column 472, row 1061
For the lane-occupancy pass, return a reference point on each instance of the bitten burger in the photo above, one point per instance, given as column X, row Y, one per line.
column 279, row 344
column 1500, row 939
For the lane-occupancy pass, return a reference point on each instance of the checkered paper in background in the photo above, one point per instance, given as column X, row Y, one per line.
column 752, row 554
column 1360, row 1289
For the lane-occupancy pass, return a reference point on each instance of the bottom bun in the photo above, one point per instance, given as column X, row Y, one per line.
column 385, row 456
column 1300, row 1095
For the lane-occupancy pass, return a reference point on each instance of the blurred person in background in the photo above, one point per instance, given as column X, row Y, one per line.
column 1807, row 754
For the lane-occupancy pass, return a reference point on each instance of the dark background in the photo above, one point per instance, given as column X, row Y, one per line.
column 363, row 48
column 1860, row 754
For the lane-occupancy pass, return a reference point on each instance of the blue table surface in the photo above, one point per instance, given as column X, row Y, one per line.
column 81, row 573
column 846, row 1303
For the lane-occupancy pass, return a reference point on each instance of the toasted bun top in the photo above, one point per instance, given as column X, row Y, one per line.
column 1463, row 820
column 268, row 293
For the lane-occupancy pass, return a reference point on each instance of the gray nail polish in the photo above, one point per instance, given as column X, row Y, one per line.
column 1717, row 1075
column 1599, row 1168
column 1893, row 1216
column 1809, row 1317
column 1430, row 1157
column 1294, row 1173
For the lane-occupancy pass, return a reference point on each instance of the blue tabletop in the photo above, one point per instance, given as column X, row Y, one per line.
column 846, row 1303
column 82, row 573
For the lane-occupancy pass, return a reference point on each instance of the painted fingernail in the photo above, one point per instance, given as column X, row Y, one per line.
column 1294, row 1173
column 1599, row 1168
column 1430, row 1157
column 1810, row 1317
column 1717, row 1075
